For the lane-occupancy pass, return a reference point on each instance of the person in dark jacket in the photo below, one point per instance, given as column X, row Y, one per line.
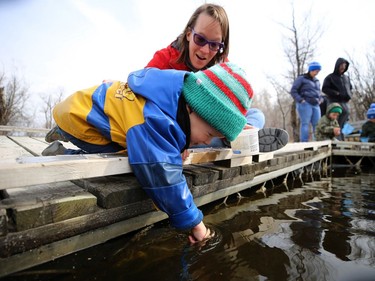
column 368, row 129
column 328, row 128
column 306, row 92
column 337, row 88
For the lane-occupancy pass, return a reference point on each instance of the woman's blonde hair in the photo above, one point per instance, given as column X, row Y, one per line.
column 217, row 13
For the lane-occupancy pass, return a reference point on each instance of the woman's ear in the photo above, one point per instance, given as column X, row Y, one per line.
column 187, row 35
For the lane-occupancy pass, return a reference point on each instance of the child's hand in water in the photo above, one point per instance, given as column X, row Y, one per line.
column 200, row 233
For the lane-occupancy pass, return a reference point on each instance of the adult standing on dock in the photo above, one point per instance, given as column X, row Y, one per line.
column 306, row 92
column 338, row 88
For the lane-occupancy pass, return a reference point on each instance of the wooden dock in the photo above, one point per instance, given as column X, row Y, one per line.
column 354, row 153
column 57, row 205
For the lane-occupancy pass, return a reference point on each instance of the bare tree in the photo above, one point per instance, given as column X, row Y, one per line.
column 13, row 98
column 49, row 103
column 362, row 76
column 283, row 102
column 263, row 101
column 300, row 43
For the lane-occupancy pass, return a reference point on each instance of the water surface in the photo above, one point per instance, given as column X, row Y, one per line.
column 322, row 230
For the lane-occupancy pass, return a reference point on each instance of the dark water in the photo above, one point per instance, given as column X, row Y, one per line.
column 324, row 230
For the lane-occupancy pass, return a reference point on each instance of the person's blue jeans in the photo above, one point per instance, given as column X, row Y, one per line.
column 86, row 147
column 308, row 114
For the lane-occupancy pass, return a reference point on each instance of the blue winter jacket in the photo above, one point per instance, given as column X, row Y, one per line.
column 140, row 115
column 306, row 88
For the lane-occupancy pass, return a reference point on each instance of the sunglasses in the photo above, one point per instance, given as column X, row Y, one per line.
column 202, row 41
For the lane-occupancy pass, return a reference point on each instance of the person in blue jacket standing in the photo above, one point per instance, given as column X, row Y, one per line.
column 155, row 116
column 306, row 93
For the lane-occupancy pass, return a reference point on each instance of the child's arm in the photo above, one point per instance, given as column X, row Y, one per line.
column 295, row 91
column 336, row 131
column 156, row 162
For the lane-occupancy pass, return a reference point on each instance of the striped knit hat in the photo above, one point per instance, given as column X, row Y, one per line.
column 371, row 111
column 221, row 95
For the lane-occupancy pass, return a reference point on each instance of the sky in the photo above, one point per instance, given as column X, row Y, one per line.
column 68, row 45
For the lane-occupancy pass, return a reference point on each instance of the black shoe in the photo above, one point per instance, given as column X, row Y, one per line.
column 54, row 135
column 55, row 148
column 271, row 139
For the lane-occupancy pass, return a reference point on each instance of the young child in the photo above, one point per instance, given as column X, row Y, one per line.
column 328, row 127
column 368, row 129
column 156, row 116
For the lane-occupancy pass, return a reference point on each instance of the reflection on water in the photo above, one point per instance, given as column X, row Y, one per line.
column 323, row 231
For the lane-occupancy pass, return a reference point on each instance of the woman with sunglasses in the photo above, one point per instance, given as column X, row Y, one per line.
column 203, row 43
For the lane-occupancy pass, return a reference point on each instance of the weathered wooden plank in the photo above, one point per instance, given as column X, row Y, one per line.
column 46, row 204
column 341, row 152
column 204, row 155
column 358, row 149
column 114, row 191
column 9, row 150
column 339, row 143
column 235, row 162
column 60, row 168
column 258, row 179
column 3, row 222
column 224, row 173
column 32, row 145
column 263, row 156
column 300, row 146
column 213, row 187
column 40, row 170
column 201, row 174
column 60, row 247
column 36, row 145
column 36, row 237
column 23, row 129
column 353, row 137
column 366, row 146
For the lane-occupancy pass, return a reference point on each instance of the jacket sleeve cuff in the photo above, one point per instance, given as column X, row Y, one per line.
column 187, row 219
